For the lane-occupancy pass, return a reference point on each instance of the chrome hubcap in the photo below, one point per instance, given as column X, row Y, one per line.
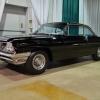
column 98, row 52
column 39, row 62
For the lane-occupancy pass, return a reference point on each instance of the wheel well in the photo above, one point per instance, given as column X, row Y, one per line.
column 47, row 50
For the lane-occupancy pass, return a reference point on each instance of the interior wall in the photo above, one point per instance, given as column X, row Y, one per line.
column 50, row 15
column 89, row 14
column 2, row 4
column 24, row 28
column 55, row 15
column 13, row 21
column 17, row 2
column 55, row 11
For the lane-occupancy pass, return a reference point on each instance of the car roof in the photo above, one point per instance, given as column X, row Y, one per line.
column 70, row 23
column 64, row 23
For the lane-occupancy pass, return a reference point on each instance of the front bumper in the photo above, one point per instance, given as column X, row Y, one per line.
column 16, row 59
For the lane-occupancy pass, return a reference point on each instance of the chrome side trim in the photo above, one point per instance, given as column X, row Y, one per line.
column 15, row 59
column 5, row 58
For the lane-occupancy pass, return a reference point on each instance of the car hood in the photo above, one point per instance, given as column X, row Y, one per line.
column 4, row 38
column 10, row 38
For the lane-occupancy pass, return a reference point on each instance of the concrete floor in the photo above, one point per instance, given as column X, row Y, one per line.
column 74, row 79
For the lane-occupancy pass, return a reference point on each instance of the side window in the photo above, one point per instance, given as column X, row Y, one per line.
column 58, row 31
column 87, row 32
column 75, row 30
column 51, row 30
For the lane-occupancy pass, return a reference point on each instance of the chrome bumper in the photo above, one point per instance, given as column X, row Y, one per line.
column 16, row 59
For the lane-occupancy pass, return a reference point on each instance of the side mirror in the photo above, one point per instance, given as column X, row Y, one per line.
column 86, row 38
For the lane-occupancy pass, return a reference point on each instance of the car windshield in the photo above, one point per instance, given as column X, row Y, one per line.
column 55, row 29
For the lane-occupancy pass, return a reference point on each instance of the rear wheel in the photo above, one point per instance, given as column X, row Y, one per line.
column 96, row 56
column 37, row 62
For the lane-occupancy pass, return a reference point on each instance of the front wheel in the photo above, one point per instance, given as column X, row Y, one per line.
column 96, row 56
column 37, row 62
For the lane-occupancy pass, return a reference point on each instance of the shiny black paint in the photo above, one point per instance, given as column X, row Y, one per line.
column 52, row 44
column 57, row 46
column 75, row 46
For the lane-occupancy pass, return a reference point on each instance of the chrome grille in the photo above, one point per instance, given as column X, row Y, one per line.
column 2, row 45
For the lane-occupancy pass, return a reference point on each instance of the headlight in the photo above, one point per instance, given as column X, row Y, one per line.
column 9, row 47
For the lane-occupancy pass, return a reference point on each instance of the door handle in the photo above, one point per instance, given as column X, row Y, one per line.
column 75, row 44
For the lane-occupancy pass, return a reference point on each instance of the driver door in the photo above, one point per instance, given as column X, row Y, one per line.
column 76, row 44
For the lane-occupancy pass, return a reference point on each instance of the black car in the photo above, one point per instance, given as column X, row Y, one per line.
column 52, row 41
